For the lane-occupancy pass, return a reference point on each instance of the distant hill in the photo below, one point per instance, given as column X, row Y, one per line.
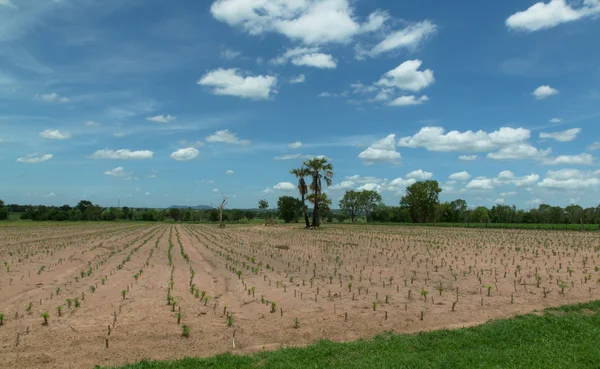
column 197, row 207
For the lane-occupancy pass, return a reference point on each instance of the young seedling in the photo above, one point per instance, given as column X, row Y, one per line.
column 273, row 307
column 424, row 293
column 45, row 315
column 349, row 287
column 59, row 310
column 489, row 289
column 1, row 319
column 440, row 288
column 296, row 323
column 229, row 320
column 123, row 293
column 28, row 307
column 179, row 315
column 57, row 290
column 69, row 302
column 185, row 331
column 77, row 303
column 374, row 305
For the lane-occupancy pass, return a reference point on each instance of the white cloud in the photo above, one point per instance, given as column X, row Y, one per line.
column 400, row 184
column 295, row 145
column 186, row 154
column 419, row 175
column 435, row 139
column 284, row 187
column 564, row 136
column 147, row 194
column 382, row 151
column 509, row 193
column 370, row 187
column 407, row 77
column 54, row 97
column 116, row 172
column 409, row 38
column 522, row 151
column 569, row 184
column 123, row 154
column 34, row 158
column 308, row 21
column 563, row 174
column 307, row 56
column 119, row 134
column 91, row 123
column 480, row 184
column 225, row 136
column 232, row 82
column 581, row 159
column 51, row 194
column 499, row 201
column 8, row 3
column 162, row 118
column 508, row 177
column 547, row 15
column 55, row 134
column 298, row 79
column 543, row 92
column 229, row 172
column 460, row 176
column 468, row 157
column 344, row 185
column 406, row 100
column 555, row 120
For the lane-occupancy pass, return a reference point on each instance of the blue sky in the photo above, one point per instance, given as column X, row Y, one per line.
column 175, row 102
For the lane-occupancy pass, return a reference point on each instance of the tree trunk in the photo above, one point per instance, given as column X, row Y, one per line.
column 305, row 210
column 317, row 198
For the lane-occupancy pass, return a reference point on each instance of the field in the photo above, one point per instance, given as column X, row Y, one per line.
column 243, row 289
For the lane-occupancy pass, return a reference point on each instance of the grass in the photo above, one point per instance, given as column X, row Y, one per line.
column 564, row 337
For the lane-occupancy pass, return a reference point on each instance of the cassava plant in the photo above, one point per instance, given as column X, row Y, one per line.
column 45, row 316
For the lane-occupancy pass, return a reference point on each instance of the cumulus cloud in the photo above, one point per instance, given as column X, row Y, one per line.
column 407, row 77
column 55, row 134
column 343, row 185
column 522, row 151
column 382, row 151
column 311, row 22
column 284, row 187
column 308, row 57
column 555, row 120
column 406, row 100
column 232, row 82
column 229, row 172
column 436, row 139
column 543, row 92
column 162, row 118
column 419, row 175
column 594, row 146
column 508, row 177
column 123, row 154
column 564, row 136
column 480, row 184
column 298, row 79
column 91, row 123
column 460, row 176
column 468, row 157
column 34, row 158
column 295, row 145
column 116, row 172
column 186, row 154
column 54, row 98
column 225, row 136
column 581, row 159
column 547, row 15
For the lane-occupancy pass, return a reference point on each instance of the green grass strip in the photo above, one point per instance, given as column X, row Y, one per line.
column 564, row 337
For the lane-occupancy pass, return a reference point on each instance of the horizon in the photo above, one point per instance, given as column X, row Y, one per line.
column 161, row 104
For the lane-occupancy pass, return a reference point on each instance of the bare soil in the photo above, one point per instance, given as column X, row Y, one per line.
column 341, row 283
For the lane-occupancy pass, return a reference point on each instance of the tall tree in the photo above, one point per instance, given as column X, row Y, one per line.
column 368, row 199
column 264, row 205
column 300, row 174
column 289, row 208
column 318, row 169
column 350, row 203
column 3, row 211
column 422, row 199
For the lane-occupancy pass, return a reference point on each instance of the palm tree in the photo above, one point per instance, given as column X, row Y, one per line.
column 318, row 168
column 301, row 173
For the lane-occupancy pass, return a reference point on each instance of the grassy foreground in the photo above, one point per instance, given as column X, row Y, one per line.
column 565, row 337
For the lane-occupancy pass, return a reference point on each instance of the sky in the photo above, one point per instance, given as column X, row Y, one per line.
column 156, row 103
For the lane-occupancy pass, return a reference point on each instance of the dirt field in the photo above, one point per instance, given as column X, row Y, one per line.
column 341, row 283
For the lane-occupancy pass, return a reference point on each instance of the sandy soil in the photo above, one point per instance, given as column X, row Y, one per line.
column 329, row 280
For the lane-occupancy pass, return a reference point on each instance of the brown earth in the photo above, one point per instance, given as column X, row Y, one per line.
column 307, row 274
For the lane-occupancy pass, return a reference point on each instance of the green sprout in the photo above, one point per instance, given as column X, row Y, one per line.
column 179, row 315
column 229, row 320
column 273, row 307
column 59, row 310
column 45, row 315
column 1, row 319
column 123, row 293
column 424, row 293
column 296, row 323
column 185, row 331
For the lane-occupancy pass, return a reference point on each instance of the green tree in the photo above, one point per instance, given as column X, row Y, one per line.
column 83, row 205
column 422, row 199
column 480, row 215
column 324, row 203
column 368, row 200
column 3, row 211
column 318, row 169
column 300, row 174
column 289, row 208
column 350, row 203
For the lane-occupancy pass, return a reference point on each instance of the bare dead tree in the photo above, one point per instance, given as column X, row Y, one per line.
column 223, row 203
